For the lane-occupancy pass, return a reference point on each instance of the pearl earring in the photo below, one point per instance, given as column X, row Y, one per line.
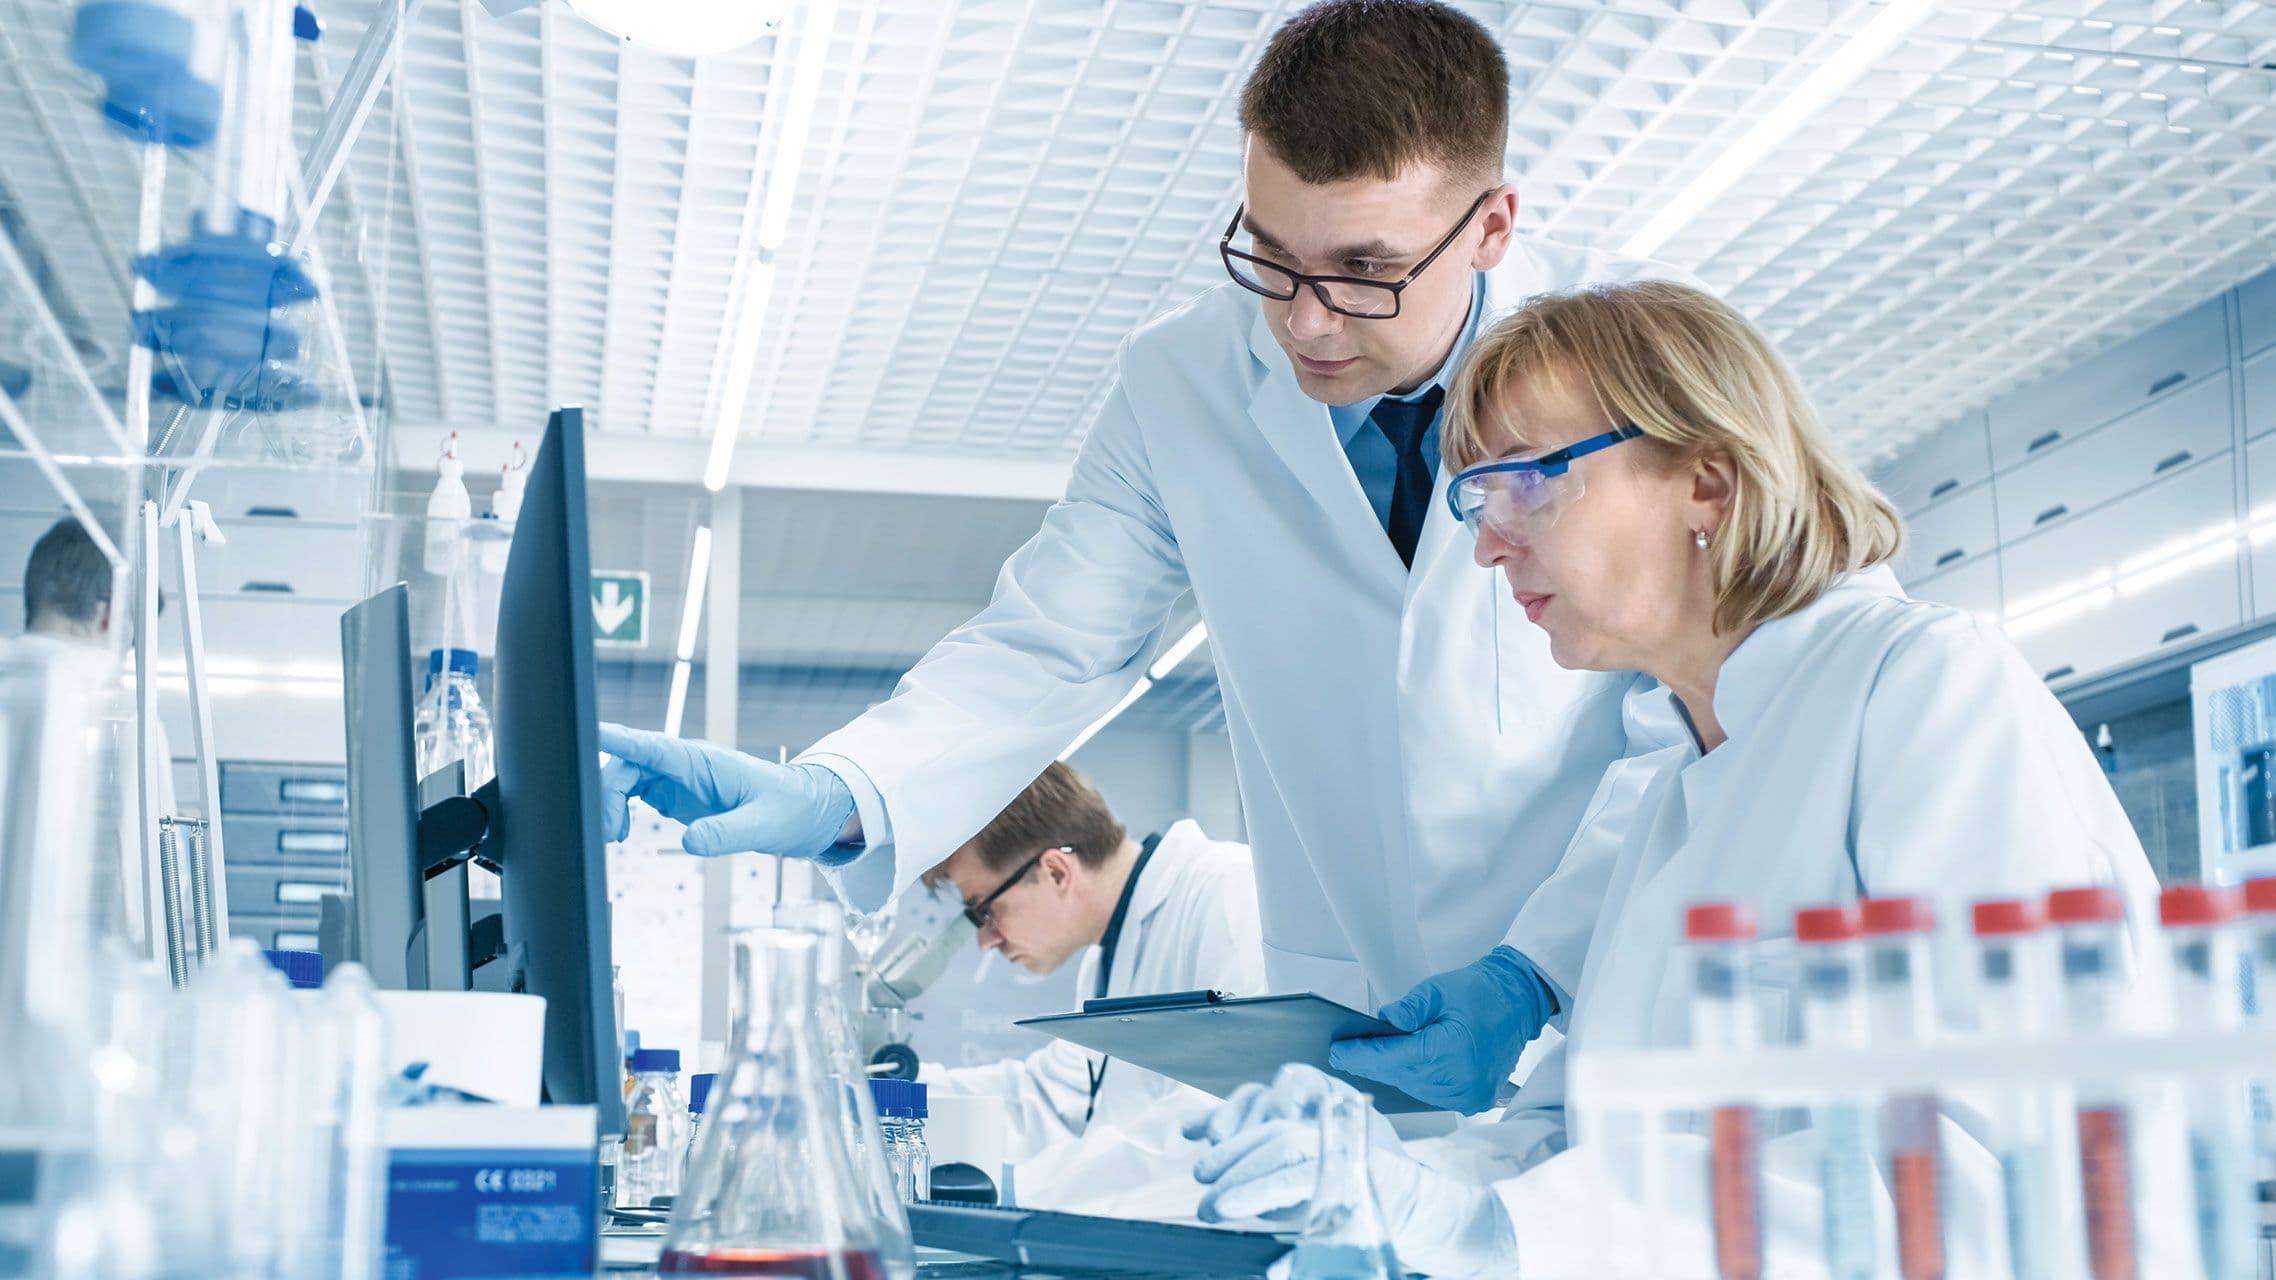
column 1700, row 539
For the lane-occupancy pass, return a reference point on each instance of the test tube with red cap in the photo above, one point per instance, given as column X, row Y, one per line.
column 2014, row 984
column 2090, row 925
column 1834, row 1017
column 2201, row 941
column 1722, row 1017
column 2260, row 950
column 1902, row 996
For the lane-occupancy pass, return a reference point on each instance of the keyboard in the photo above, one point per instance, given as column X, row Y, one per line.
column 1075, row 1244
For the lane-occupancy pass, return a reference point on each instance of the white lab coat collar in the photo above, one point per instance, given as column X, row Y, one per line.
column 1752, row 676
column 1179, row 846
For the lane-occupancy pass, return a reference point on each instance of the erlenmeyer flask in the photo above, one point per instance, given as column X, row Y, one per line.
column 772, row 1189
column 1343, row 1230
column 865, row 1139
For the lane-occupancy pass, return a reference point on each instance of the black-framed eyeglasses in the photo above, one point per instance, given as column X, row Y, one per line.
column 979, row 912
column 1344, row 295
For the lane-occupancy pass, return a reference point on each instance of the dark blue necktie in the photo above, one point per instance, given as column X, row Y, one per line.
column 1404, row 423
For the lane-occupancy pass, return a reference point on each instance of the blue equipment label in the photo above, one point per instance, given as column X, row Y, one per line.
column 498, row 1215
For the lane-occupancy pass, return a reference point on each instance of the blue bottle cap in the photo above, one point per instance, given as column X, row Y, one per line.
column 644, row 1060
column 699, row 1090
column 464, row 662
column 916, row 1104
column 888, row 1096
column 303, row 969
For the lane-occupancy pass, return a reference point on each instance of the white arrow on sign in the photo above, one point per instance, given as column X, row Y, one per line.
column 611, row 607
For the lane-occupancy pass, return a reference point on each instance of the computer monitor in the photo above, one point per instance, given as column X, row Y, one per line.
column 384, row 874
column 545, row 830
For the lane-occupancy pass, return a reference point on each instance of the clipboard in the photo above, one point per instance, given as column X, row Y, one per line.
column 1217, row 1043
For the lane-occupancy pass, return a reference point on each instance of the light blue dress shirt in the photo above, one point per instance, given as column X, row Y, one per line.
column 1373, row 459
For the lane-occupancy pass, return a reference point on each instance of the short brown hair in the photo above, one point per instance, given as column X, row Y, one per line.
column 1688, row 369
column 1363, row 88
column 1059, row 808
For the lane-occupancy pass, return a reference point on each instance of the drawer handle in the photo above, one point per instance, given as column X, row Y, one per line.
column 268, row 588
column 286, row 513
column 2169, row 381
column 2167, row 464
column 2055, row 512
column 1942, row 489
column 2185, row 629
column 2058, row 673
column 1948, row 557
column 2041, row 442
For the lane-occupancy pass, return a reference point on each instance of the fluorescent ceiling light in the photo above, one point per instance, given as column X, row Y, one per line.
column 1137, row 691
column 1818, row 88
column 677, row 703
column 691, row 609
column 684, row 28
column 774, row 222
column 1178, row 652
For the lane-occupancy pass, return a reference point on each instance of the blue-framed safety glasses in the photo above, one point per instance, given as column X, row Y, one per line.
column 1519, row 497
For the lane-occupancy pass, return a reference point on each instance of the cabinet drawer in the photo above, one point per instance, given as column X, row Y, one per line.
column 2256, row 311
column 2097, row 547
column 267, row 838
column 2102, row 387
column 285, row 557
column 292, row 790
column 2260, row 394
column 2138, row 622
column 280, row 891
column 1973, row 586
column 275, row 933
column 2153, row 441
column 1937, row 466
column 1951, row 532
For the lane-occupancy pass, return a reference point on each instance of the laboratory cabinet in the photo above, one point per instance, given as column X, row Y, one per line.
column 2256, row 312
column 2232, row 699
column 2260, row 505
column 1949, row 533
column 284, row 830
column 2260, row 394
column 2069, row 404
column 285, row 556
column 2081, row 474
column 1938, row 467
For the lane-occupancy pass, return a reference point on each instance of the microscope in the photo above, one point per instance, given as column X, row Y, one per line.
column 898, row 975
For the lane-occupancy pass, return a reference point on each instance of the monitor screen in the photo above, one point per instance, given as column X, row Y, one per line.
column 384, row 876
column 545, row 824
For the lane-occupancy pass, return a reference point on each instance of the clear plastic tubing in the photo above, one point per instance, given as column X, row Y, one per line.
column 2091, row 925
column 1834, row 1016
column 1901, row 993
column 2201, row 940
column 2013, row 987
column 1722, row 1017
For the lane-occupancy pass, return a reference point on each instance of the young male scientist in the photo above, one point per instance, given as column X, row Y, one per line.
column 1412, row 763
column 1055, row 876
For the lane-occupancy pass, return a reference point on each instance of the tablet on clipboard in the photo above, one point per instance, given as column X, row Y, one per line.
column 1218, row 1043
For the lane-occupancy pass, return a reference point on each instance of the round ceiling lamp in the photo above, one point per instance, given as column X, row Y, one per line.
column 685, row 28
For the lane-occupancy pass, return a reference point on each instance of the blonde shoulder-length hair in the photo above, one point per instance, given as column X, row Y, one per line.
column 1700, row 381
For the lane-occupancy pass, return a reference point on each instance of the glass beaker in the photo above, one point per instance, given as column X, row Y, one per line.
column 1343, row 1236
column 865, row 1135
column 772, row 1190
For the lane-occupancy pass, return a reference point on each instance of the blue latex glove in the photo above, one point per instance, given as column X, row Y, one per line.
column 1465, row 1029
column 731, row 802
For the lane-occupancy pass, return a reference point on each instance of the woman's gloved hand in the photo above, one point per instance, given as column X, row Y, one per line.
column 731, row 802
column 1263, row 1162
column 1465, row 1029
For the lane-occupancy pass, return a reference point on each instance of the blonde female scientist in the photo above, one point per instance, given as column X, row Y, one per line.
column 1646, row 474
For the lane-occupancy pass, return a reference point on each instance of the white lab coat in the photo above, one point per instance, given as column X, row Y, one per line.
column 1412, row 763
column 1876, row 746
column 1192, row 926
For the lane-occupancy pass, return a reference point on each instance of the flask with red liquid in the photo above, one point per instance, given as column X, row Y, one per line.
column 1722, row 1017
column 772, row 1189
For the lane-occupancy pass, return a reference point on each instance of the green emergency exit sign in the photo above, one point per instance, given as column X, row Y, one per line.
column 620, row 608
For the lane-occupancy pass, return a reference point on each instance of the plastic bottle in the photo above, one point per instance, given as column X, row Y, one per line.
column 2014, row 986
column 505, row 508
column 452, row 723
column 1722, row 1017
column 1344, row 1237
column 1834, row 1016
column 699, row 1095
column 1902, row 997
column 655, row 1131
column 2090, row 931
column 448, row 509
column 356, row 1213
column 2201, row 941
